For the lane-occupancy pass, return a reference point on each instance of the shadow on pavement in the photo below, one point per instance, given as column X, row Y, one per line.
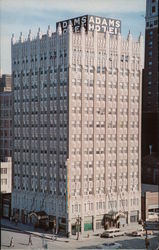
column 4, row 228
column 139, row 243
column 132, row 243
column 5, row 245
column 24, row 244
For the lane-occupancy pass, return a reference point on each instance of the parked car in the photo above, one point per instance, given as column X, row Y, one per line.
column 112, row 232
column 137, row 233
column 141, row 232
column 149, row 232
column 110, row 246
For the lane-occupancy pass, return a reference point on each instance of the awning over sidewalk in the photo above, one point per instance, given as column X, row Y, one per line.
column 41, row 215
column 115, row 215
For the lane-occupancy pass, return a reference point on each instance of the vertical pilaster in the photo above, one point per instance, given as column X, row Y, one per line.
column 94, row 125
column 69, row 95
column 106, row 117
column 129, row 121
column 82, row 124
column 118, row 121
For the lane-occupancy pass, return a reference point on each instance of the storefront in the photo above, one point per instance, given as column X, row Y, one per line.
column 39, row 219
column 134, row 216
column 6, row 205
column 75, row 226
column 115, row 219
column 99, row 222
column 62, row 225
column 24, row 216
column 52, row 223
column 88, row 223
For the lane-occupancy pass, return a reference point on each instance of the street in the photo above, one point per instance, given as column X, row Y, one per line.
column 21, row 240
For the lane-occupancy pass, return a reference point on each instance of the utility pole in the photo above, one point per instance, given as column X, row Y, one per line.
column 147, row 243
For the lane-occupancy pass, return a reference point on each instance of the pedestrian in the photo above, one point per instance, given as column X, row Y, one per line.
column 11, row 242
column 30, row 240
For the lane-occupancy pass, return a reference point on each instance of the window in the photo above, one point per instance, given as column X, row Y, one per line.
column 151, row 33
column 149, row 73
column 147, row 24
column 155, row 22
column 4, row 181
column 150, row 43
column 150, row 53
column 3, row 170
column 153, row 9
column 149, row 83
column 150, row 63
column 98, row 69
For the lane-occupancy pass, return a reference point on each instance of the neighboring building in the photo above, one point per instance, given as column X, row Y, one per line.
column 150, row 104
column 6, row 175
column 5, row 117
column 150, row 202
column 6, row 143
column 150, row 168
column 5, row 83
column 77, row 124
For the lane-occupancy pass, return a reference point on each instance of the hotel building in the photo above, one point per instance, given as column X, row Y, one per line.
column 77, row 124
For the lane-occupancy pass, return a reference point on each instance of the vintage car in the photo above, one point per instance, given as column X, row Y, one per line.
column 112, row 232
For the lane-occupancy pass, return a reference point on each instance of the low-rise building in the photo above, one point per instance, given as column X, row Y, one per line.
column 150, row 202
column 6, row 175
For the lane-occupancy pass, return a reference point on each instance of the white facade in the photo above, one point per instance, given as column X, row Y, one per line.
column 6, row 175
column 77, row 125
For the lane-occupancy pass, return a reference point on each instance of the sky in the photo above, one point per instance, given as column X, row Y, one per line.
column 21, row 15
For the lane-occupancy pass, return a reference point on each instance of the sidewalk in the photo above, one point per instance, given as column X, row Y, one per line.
column 30, row 230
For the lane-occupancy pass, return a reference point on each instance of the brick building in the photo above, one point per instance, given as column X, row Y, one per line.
column 150, row 101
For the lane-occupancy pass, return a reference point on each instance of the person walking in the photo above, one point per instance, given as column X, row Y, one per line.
column 30, row 240
column 11, row 242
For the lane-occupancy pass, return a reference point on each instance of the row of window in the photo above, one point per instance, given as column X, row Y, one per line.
column 151, row 23
column 53, row 55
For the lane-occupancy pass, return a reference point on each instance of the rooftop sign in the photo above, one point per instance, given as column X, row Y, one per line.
column 90, row 23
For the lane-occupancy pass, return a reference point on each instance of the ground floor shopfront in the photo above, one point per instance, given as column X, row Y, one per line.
column 76, row 225
column 6, row 205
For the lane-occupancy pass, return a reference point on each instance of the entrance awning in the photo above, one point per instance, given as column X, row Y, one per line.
column 114, row 215
column 41, row 215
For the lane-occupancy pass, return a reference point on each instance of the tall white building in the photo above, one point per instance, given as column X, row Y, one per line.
column 77, row 124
